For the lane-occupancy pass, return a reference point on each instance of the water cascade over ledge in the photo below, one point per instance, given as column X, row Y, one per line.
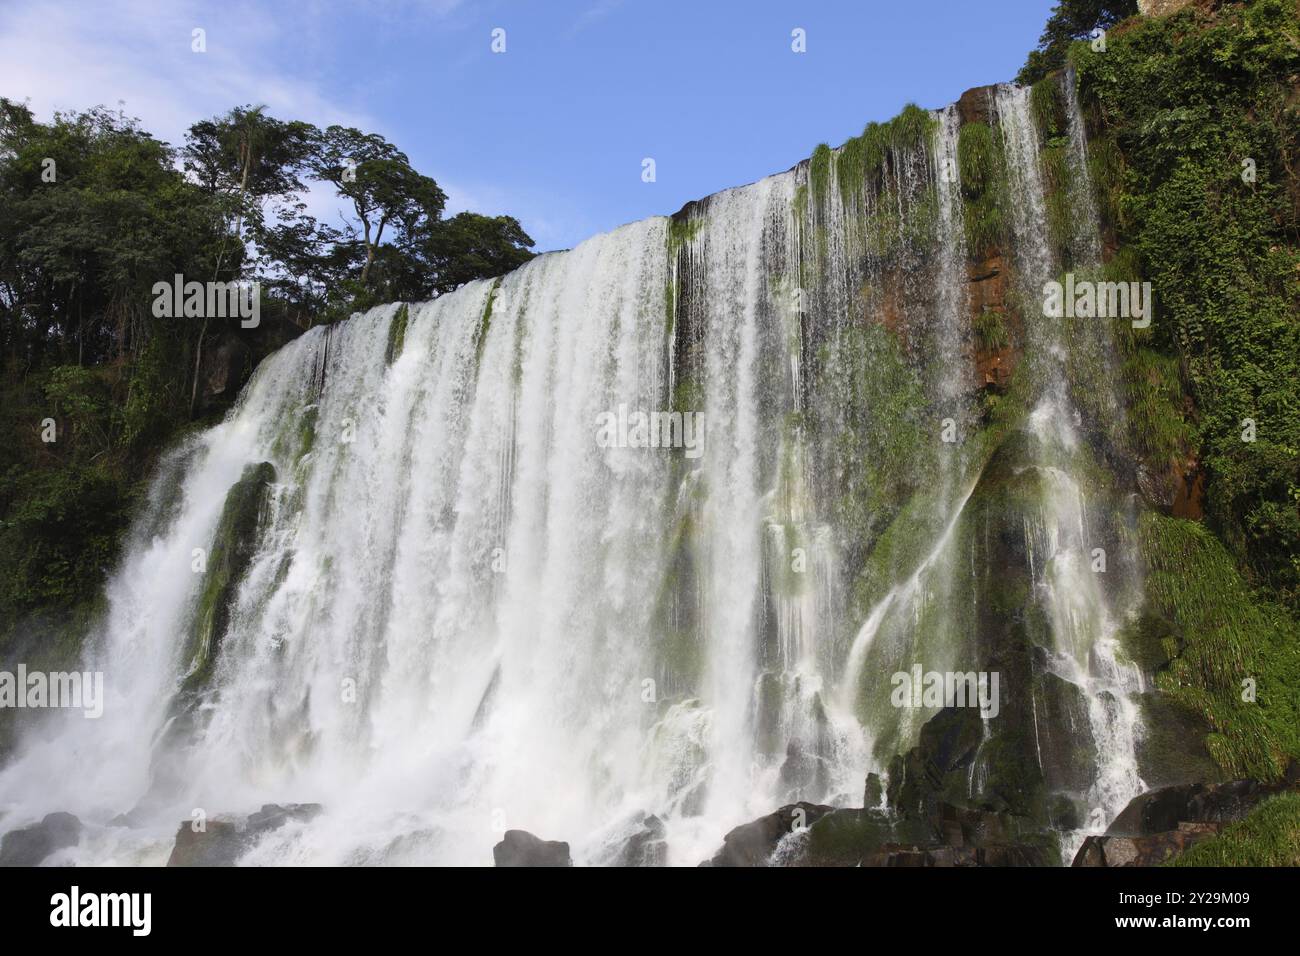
column 432, row 599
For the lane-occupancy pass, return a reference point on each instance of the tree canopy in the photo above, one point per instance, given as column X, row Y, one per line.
column 1071, row 20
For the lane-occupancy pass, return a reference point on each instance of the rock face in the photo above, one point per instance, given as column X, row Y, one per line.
column 1159, row 810
column 223, row 842
column 226, row 366
column 230, row 356
column 1160, row 8
column 31, row 845
column 1143, row 851
column 1159, row 825
column 646, row 847
column 752, row 844
column 949, row 836
column 521, row 848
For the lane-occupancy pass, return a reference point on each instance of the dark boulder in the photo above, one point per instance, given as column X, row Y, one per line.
column 521, row 848
column 226, row 365
column 1161, row 810
column 223, row 842
column 1158, row 825
column 752, row 844
column 1152, row 850
column 31, row 845
column 647, row 846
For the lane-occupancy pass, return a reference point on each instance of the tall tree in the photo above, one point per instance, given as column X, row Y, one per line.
column 245, row 157
column 384, row 189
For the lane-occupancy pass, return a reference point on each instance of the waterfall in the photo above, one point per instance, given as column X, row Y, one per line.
column 458, row 609
column 1061, row 540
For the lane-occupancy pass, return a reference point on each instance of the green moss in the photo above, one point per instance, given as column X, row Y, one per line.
column 1228, row 637
column 859, row 162
column 1058, row 185
column 485, row 322
column 682, row 230
column 1106, row 170
column 233, row 546
column 1047, row 107
column 1185, row 100
column 1269, row 836
column 868, row 434
column 397, row 333
column 982, row 167
column 819, row 172
column 991, row 331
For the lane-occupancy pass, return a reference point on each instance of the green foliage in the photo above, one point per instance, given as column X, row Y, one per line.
column 991, row 331
column 1047, row 107
column 819, row 172
column 469, row 246
column 84, row 240
column 1070, row 21
column 1268, row 836
column 58, row 535
column 1221, row 635
column 232, row 551
column 682, row 231
column 869, row 433
column 1185, row 100
column 982, row 167
column 1058, row 184
column 397, row 333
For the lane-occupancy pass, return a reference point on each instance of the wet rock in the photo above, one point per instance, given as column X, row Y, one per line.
column 272, row 816
column 218, row 844
column 1152, row 850
column 976, row 105
column 226, row 365
column 521, row 848
column 803, row 773
column 1157, row 811
column 1160, row 824
column 873, row 791
column 752, row 844
column 31, row 845
column 223, row 842
column 646, row 847
column 891, row 855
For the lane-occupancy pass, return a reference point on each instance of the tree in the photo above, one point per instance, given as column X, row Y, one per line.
column 244, row 157
column 470, row 246
column 1071, row 20
column 385, row 191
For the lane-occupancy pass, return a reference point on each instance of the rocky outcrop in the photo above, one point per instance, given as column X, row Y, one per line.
column 1151, row 850
column 647, row 846
column 1159, row 810
column 31, row 845
column 521, row 848
column 223, row 842
column 940, row 834
column 752, row 844
column 226, row 365
column 1161, row 8
column 230, row 356
column 1159, row 825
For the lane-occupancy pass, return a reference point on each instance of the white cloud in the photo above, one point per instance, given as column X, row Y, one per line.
column 77, row 54
column 137, row 54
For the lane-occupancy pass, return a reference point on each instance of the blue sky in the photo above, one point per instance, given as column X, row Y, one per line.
column 553, row 130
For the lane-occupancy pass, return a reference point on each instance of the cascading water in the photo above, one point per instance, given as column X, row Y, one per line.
column 1065, row 565
column 456, row 611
